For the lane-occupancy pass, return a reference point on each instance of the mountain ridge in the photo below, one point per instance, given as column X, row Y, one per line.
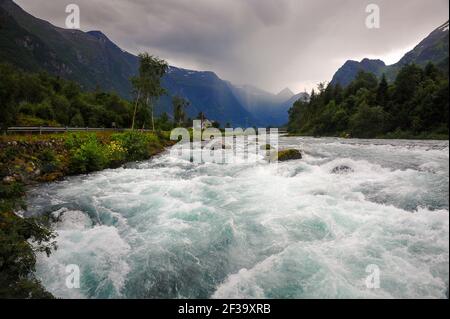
column 286, row 93
column 94, row 61
column 266, row 107
column 433, row 48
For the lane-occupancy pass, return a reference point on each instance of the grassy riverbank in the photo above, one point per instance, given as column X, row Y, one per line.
column 28, row 160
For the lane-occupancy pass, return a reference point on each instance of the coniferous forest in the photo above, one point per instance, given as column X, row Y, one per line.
column 415, row 105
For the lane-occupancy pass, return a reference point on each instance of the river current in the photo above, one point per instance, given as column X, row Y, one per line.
column 320, row 227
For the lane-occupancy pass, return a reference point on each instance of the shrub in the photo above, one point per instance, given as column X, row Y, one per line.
column 136, row 143
column 8, row 154
column 10, row 196
column 49, row 161
column 89, row 157
column 47, row 155
column 22, row 238
column 116, row 153
column 75, row 140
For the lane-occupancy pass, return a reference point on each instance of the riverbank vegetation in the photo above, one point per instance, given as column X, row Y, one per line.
column 415, row 105
column 26, row 160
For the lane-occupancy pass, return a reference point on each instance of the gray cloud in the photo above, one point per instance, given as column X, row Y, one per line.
column 267, row 43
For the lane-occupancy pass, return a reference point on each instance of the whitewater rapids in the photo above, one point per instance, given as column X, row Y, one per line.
column 168, row 228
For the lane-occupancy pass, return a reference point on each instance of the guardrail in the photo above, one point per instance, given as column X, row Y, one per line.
column 46, row 130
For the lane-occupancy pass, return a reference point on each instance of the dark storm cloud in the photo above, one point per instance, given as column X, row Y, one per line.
column 268, row 43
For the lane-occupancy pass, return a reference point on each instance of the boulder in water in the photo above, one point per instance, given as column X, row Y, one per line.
column 342, row 169
column 289, row 155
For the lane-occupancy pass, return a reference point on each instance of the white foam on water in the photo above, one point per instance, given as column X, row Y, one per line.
column 169, row 228
column 98, row 251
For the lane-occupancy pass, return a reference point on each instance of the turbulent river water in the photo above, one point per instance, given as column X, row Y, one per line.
column 169, row 228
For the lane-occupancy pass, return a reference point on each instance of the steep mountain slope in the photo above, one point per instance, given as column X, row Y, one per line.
column 288, row 104
column 86, row 58
column 269, row 109
column 434, row 48
column 92, row 60
column 22, row 48
column 285, row 94
column 206, row 93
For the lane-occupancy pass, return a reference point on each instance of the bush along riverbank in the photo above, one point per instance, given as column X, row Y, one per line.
column 27, row 160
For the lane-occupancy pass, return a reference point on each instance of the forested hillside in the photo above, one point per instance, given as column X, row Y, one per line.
column 39, row 99
column 415, row 105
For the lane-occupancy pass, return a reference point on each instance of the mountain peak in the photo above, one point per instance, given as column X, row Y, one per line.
column 98, row 34
column 434, row 48
column 286, row 93
column 377, row 62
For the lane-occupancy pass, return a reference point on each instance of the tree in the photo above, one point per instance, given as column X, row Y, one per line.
column 77, row 121
column 338, row 93
column 368, row 121
column 34, row 99
column 9, row 89
column 364, row 80
column 406, row 83
column 148, row 83
column 382, row 92
column 416, row 104
column 179, row 104
column 431, row 71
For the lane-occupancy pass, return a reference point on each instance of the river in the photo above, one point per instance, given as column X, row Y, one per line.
column 169, row 228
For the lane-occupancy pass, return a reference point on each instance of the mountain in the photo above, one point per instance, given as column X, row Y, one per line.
column 268, row 109
column 347, row 73
column 92, row 60
column 434, row 48
column 207, row 93
column 288, row 104
column 285, row 94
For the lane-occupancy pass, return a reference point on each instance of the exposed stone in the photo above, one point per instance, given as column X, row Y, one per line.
column 342, row 169
column 289, row 155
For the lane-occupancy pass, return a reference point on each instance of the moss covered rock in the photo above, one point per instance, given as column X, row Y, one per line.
column 289, row 155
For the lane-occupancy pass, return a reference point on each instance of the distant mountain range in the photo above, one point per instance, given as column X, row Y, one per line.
column 266, row 107
column 433, row 48
column 92, row 60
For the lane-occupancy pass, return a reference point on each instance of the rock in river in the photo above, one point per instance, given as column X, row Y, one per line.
column 289, row 155
column 342, row 169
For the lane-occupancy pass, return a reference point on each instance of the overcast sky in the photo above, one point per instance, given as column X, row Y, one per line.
column 271, row 44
